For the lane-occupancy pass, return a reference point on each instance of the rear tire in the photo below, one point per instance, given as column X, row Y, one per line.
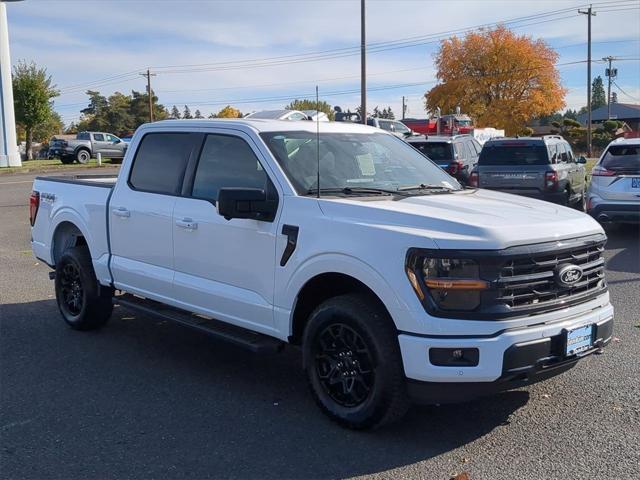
column 82, row 301
column 83, row 156
column 67, row 160
column 353, row 363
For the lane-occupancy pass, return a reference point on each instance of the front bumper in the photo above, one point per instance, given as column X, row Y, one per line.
column 507, row 359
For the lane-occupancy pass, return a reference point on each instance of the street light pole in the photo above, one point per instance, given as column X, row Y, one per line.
column 9, row 155
column 589, row 13
column 363, row 65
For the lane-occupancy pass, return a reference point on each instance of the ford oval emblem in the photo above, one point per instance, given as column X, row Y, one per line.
column 568, row 275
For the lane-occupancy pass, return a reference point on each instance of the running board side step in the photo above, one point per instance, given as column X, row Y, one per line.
column 253, row 341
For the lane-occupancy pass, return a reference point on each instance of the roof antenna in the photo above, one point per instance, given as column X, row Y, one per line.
column 318, row 139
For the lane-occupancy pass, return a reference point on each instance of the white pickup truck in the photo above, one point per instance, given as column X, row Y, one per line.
column 397, row 284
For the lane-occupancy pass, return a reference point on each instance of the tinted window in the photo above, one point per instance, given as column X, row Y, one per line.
column 622, row 159
column 436, row 151
column 83, row 136
column 513, row 154
column 297, row 116
column 160, row 162
column 562, row 153
column 476, row 146
column 226, row 161
column 98, row 137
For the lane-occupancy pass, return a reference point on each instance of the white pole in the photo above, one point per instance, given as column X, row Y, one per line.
column 99, row 158
column 9, row 156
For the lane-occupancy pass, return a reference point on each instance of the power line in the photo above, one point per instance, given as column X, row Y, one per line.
column 625, row 93
column 326, row 54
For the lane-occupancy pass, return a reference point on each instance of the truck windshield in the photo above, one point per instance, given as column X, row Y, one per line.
column 349, row 160
column 516, row 154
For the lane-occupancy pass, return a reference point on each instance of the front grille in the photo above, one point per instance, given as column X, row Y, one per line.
column 530, row 280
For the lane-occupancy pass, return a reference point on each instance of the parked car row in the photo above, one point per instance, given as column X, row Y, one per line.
column 544, row 168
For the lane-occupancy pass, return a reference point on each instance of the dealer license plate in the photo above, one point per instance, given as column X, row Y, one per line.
column 635, row 182
column 579, row 339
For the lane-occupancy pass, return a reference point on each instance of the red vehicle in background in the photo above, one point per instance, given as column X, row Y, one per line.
column 453, row 124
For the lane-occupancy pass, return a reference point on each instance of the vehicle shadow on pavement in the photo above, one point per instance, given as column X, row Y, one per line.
column 144, row 398
column 626, row 238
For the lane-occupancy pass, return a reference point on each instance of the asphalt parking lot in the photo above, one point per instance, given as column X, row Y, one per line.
column 144, row 398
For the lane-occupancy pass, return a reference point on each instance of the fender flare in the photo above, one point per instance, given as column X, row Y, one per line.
column 343, row 264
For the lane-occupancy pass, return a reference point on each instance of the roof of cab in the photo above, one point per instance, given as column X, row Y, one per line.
column 264, row 125
column 527, row 140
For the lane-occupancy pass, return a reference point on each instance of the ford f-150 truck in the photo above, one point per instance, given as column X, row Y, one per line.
column 87, row 145
column 397, row 284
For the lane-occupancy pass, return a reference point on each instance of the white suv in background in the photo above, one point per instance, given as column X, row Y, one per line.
column 614, row 193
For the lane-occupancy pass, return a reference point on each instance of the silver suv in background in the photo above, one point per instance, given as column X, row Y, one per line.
column 543, row 168
column 614, row 192
column 457, row 154
column 399, row 129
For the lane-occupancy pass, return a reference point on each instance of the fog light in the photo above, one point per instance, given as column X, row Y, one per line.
column 454, row 357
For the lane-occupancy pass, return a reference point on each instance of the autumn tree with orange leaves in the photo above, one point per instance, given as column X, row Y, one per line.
column 500, row 79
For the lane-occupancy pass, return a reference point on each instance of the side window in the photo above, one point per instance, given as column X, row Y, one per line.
column 83, row 136
column 569, row 152
column 111, row 138
column 98, row 137
column 226, row 161
column 476, row 146
column 459, row 149
column 297, row 116
column 562, row 153
column 553, row 153
column 160, row 162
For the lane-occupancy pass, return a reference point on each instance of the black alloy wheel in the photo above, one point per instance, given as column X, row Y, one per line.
column 344, row 365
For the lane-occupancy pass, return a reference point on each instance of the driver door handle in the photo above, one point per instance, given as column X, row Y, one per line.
column 187, row 224
column 121, row 212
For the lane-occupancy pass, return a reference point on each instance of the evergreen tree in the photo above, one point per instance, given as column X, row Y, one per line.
column 390, row 114
column 175, row 113
column 198, row 114
column 598, row 95
column 614, row 97
column 186, row 114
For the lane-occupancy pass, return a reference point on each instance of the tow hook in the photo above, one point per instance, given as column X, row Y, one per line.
column 52, row 275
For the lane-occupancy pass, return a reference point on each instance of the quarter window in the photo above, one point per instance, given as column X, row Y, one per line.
column 160, row 162
column 227, row 161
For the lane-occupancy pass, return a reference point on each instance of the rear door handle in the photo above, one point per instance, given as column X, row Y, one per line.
column 121, row 212
column 187, row 224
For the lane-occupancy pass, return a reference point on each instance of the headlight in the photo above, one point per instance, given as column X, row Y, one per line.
column 452, row 284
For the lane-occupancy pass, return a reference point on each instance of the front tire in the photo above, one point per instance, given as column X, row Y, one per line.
column 82, row 301
column 66, row 160
column 353, row 364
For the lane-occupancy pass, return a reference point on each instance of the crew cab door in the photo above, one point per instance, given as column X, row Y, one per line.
column 141, row 214
column 115, row 147
column 224, row 268
column 99, row 144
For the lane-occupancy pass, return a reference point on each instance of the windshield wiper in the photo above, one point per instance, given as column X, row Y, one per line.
column 356, row 191
column 424, row 186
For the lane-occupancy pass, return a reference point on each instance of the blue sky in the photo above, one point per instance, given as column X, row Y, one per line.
column 209, row 53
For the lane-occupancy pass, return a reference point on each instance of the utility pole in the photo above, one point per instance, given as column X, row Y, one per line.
column 363, row 65
column 589, row 13
column 149, row 75
column 404, row 107
column 611, row 73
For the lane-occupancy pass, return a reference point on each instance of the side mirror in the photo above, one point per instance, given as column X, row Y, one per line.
column 246, row 203
column 581, row 159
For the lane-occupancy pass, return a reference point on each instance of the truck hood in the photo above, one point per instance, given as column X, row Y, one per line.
column 469, row 219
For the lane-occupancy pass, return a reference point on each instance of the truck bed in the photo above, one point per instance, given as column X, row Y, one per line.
column 80, row 200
